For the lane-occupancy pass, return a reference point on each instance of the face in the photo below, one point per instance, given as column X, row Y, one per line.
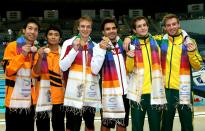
column 31, row 32
column 85, row 28
column 110, row 31
column 53, row 37
column 141, row 28
column 172, row 26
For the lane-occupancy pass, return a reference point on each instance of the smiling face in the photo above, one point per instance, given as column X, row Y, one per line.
column 85, row 28
column 31, row 32
column 141, row 28
column 53, row 37
column 110, row 31
column 172, row 26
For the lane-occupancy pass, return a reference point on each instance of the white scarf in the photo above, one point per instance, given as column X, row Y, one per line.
column 82, row 87
column 21, row 95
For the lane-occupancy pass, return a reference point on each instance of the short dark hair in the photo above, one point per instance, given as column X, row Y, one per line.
column 108, row 20
column 137, row 18
column 53, row 27
column 31, row 20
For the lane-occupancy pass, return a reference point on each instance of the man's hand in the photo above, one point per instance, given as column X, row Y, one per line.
column 41, row 52
column 126, row 43
column 191, row 46
column 76, row 44
column 26, row 49
column 104, row 43
column 131, row 53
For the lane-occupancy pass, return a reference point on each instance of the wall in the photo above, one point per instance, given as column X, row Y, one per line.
column 194, row 26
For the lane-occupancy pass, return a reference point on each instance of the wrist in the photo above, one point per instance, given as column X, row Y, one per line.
column 24, row 53
column 102, row 46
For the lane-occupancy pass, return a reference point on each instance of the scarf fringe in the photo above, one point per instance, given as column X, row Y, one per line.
column 43, row 115
column 77, row 111
column 154, row 107
column 183, row 105
column 89, row 108
column 73, row 110
column 20, row 110
column 119, row 121
column 159, row 107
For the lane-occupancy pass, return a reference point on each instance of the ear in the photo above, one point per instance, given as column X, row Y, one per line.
column 134, row 31
column 60, row 40
column 163, row 29
column 103, row 32
column 23, row 30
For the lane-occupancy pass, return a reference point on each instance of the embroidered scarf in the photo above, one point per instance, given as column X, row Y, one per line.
column 44, row 103
column 114, row 83
column 136, row 82
column 82, row 89
column 44, row 98
column 185, row 87
column 21, row 95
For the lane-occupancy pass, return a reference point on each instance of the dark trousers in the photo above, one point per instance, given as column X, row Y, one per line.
column 138, row 112
column 185, row 112
column 58, row 115
column 19, row 119
column 74, row 120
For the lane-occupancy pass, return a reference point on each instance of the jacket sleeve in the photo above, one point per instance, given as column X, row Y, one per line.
column 97, row 59
column 195, row 59
column 68, row 55
column 129, row 64
column 14, row 61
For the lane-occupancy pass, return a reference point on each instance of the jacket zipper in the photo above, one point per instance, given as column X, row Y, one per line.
column 170, row 64
column 149, row 61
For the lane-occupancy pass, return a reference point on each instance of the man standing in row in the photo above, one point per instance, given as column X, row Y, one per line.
column 179, row 54
column 82, row 95
column 109, row 57
column 19, row 92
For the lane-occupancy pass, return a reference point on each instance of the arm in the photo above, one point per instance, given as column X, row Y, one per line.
column 97, row 59
column 127, row 42
column 37, row 63
column 129, row 64
column 194, row 57
column 193, row 54
column 13, row 60
column 68, row 54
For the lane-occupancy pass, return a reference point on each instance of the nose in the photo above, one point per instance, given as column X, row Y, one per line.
column 33, row 31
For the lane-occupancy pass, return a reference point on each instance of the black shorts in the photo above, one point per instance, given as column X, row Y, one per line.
column 19, row 119
column 74, row 120
column 111, row 123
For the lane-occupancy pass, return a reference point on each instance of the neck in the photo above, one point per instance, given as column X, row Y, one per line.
column 114, row 41
column 85, row 39
column 143, row 37
column 53, row 47
column 29, row 42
